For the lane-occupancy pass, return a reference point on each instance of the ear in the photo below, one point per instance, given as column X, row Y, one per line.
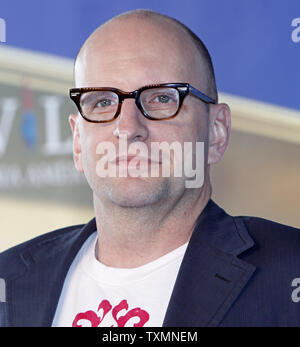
column 77, row 155
column 219, row 131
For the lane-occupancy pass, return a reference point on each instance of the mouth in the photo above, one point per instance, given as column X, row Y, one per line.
column 134, row 159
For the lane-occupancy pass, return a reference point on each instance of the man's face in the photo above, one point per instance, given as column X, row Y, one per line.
column 128, row 55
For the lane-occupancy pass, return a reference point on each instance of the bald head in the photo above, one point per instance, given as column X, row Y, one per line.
column 140, row 30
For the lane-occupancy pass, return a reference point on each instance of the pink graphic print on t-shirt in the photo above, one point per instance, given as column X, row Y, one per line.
column 95, row 319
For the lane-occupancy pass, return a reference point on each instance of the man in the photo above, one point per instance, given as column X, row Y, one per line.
column 158, row 253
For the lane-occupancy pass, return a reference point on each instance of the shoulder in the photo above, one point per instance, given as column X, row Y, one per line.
column 12, row 259
column 272, row 240
column 264, row 229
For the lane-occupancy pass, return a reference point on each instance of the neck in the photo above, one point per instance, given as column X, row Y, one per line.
column 131, row 237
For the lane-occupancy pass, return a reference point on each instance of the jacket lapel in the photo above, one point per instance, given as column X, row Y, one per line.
column 33, row 295
column 211, row 276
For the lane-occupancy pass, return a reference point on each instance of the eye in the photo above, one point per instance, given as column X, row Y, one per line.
column 164, row 99
column 104, row 103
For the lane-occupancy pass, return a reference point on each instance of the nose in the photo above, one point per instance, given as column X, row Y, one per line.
column 131, row 123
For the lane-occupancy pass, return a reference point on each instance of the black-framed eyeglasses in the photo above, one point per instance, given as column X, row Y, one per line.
column 156, row 102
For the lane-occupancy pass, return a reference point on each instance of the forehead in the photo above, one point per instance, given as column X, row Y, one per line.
column 130, row 53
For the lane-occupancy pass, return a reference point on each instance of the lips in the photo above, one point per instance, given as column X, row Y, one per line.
column 127, row 159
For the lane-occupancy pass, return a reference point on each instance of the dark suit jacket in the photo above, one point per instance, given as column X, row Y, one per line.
column 237, row 271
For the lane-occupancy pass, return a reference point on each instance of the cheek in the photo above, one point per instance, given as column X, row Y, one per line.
column 92, row 134
column 190, row 125
column 194, row 125
column 196, row 130
column 89, row 144
column 199, row 128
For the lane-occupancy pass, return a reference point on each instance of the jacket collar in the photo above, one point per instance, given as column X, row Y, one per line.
column 211, row 276
column 209, row 280
column 222, row 231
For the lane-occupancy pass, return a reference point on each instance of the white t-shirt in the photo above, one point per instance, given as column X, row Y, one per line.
column 98, row 295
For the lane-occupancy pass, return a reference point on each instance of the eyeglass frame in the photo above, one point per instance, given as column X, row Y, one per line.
column 183, row 90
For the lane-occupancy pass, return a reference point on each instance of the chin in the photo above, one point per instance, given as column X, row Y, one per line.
column 136, row 192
